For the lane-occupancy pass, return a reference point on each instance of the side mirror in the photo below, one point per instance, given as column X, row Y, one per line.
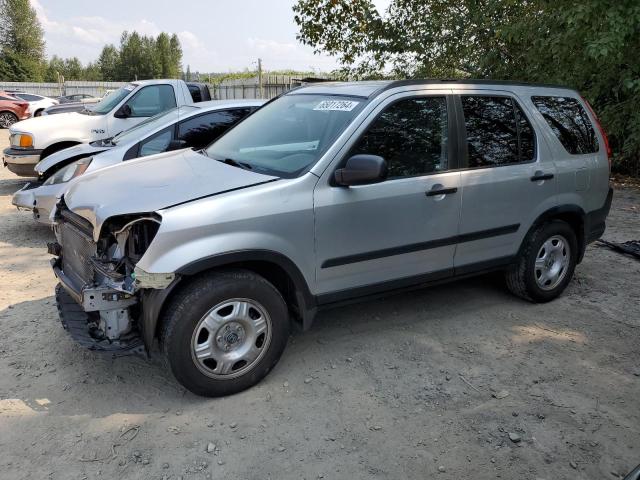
column 123, row 112
column 362, row 170
column 176, row 144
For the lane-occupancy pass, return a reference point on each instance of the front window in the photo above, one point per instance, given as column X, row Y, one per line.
column 112, row 99
column 411, row 135
column 152, row 100
column 150, row 124
column 287, row 136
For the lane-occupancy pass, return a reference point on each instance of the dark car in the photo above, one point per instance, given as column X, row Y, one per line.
column 78, row 98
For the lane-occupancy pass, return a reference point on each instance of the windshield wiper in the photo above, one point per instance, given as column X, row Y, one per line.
column 234, row 163
column 228, row 161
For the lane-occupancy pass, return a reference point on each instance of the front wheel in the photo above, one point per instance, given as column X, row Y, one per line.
column 7, row 119
column 546, row 263
column 224, row 331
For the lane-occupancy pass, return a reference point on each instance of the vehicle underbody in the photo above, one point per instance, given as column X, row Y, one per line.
column 98, row 297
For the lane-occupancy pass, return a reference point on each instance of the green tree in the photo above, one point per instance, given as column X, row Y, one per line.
column 21, row 40
column 55, row 67
column 92, row 72
column 109, row 63
column 73, row 69
column 176, row 56
column 12, row 68
column 589, row 45
column 163, row 47
column 150, row 66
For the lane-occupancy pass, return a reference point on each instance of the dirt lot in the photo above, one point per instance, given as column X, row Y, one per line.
column 399, row 388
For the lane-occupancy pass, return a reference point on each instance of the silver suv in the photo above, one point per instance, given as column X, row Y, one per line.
column 328, row 193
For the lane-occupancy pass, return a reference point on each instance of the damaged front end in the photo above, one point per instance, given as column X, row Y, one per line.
column 99, row 295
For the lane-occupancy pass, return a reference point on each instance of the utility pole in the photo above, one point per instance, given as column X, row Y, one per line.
column 260, row 77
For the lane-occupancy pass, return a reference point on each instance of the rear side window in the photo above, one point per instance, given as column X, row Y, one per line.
column 29, row 98
column 200, row 131
column 570, row 123
column 411, row 135
column 498, row 132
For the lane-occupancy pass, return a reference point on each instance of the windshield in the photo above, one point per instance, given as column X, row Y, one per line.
column 288, row 135
column 112, row 99
column 149, row 125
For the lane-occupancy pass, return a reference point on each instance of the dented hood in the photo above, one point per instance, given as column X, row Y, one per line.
column 152, row 183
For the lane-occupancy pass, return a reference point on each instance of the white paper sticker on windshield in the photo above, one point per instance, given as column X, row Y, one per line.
column 336, row 105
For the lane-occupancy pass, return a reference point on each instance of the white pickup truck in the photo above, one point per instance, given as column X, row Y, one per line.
column 34, row 139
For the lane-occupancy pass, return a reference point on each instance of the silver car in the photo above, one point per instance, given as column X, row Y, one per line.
column 331, row 192
column 194, row 126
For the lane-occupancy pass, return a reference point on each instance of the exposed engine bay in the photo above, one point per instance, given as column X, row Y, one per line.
column 101, row 276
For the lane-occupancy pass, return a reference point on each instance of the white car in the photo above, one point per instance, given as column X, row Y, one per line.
column 37, row 103
column 190, row 126
column 36, row 138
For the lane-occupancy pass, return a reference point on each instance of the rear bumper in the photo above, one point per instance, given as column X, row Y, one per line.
column 595, row 221
column 21, row 162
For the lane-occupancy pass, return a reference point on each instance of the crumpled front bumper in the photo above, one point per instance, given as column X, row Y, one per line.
column 21, row 162
column 40, row 199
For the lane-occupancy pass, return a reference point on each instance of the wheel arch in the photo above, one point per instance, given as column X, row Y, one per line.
column 56, row 147
column 573, row 215
column 276, row 268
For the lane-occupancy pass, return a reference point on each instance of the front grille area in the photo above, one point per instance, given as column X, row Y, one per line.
column 77, row 248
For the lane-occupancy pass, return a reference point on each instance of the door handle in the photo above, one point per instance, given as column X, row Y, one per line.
column 541, row 176
column 441, row 191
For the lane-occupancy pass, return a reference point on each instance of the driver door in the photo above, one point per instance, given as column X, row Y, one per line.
column 402, row 230
column 145, row 103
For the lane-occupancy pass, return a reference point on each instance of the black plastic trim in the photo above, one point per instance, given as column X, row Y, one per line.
column 306, row 299
column 416, row 247
column 21, row 151
column 152, row 301
column 595, row 221
column 413, row 282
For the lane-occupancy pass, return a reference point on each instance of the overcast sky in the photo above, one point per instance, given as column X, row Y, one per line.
column 216, row 35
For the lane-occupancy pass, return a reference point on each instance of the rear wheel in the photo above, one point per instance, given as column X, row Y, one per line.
column 224, row 331
column 546, row 263
column 38, row 112
column 7, row 119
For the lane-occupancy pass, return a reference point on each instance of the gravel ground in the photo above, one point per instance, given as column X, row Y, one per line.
column 454, row 382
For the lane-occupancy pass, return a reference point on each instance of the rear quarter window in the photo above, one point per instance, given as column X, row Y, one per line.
column 569, row 122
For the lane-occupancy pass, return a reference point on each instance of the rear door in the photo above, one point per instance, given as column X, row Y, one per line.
column 508, row 180
column 581, row 167
column 393, row 233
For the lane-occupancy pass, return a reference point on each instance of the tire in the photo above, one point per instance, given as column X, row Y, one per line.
column 7, row 119
column 221, row 315
column 38, row 112
column 545, row 264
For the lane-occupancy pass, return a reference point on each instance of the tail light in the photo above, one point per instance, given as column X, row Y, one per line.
column 607, row 146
